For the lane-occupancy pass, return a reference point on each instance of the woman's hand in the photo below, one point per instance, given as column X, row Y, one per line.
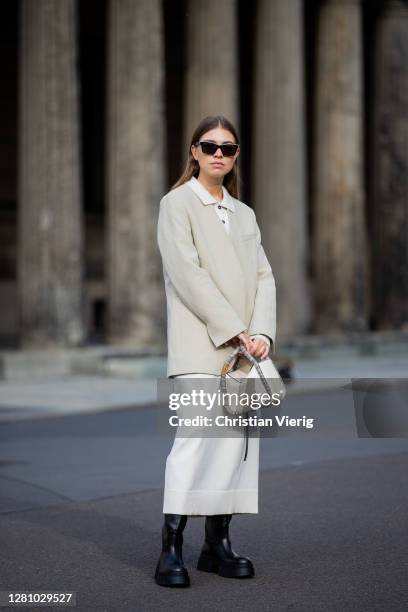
column 261, row 348
column 257, row 347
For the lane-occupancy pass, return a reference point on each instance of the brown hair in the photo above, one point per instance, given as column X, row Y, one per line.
column 192, row 168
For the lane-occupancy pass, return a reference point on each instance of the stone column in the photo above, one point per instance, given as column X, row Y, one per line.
column 50, row 249
column 278, row 184
column 211, row 63
column 339, row 240
column 135, row 173
column 390, row 173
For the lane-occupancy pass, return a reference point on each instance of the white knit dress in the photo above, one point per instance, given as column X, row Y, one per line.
column 211, row 475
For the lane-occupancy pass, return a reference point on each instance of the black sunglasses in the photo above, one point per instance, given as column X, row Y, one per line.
column 209, row 148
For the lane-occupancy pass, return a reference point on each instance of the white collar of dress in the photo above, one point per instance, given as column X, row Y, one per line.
column 206, row 197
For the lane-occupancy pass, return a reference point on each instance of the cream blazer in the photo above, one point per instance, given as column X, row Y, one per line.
column 217, row 284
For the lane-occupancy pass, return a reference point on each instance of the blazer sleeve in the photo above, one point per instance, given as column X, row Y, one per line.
column 263, row 320
column 192, row 282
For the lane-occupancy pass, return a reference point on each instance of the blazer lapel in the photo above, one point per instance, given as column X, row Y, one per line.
column 226, row 248
column 223, row 242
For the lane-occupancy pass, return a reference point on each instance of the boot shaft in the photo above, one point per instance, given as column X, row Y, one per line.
column 217, row 531
column 217, row 527
column 172, row 532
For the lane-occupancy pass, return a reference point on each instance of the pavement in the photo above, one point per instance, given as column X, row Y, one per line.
column 36, row 384
column 81, row 488
column 330, row 536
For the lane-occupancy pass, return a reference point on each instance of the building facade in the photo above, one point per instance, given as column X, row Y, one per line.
column 101, row 100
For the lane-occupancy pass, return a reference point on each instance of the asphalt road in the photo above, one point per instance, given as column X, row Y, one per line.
column 81, row 510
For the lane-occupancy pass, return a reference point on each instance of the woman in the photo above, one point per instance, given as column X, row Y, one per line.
column 220, row 292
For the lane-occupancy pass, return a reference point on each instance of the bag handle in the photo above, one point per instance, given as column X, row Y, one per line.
column 227, row 363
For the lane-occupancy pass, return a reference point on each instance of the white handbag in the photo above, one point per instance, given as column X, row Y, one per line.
column 237, row 374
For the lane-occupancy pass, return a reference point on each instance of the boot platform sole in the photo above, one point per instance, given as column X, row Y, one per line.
column 207, row 563
column 172, row 580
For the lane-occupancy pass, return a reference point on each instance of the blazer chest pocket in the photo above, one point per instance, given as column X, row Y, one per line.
column 247, row 236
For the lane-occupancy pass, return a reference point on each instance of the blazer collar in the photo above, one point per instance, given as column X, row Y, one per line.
column 206, row 197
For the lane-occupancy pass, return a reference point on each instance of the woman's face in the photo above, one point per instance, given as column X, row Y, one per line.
column 216, row 165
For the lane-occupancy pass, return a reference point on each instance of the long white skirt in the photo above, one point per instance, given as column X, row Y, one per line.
column 208, row 475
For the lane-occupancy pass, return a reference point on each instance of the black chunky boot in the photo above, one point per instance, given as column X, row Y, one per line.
column 170, row 570
column 217, row 554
